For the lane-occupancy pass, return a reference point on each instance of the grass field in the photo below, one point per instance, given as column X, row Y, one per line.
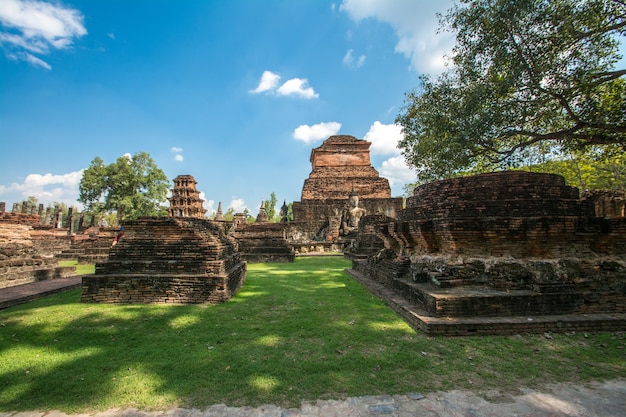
column 294, row 332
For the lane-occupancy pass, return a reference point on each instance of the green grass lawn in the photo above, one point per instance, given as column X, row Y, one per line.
column 294, row 332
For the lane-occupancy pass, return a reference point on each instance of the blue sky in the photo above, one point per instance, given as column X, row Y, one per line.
column 235, row 93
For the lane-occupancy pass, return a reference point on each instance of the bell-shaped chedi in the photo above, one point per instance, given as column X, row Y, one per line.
column 185, row 200
column 342, row 165
column 262, row 217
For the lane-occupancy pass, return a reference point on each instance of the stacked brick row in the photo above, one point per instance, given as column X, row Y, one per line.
column 264, row 242
column 518, row 214
column 90, row 249
column 168, row 260
column 341, row 165
column 515, row 194
column 20, row 261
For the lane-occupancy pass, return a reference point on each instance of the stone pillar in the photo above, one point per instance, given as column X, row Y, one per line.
column 81, row 220
column 3, row 206
column 40, row 211
column 24, row 207
column 58, row 218
column 31, row 210
column 14, row 210
column 46, row 219
column 70, row 220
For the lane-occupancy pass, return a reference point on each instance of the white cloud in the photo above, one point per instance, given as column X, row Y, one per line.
column 37, row 27
column 47, row 188
column 31, row 59
column 397, row 172
column 297, row 87
column 293, row 87
column 309, row 134
column 384, row 138
column 178, row 157
column 237, row 204
column 415, row 24
column 37, row 62
column 207, row 204
column 352, row 63
column 269, row 81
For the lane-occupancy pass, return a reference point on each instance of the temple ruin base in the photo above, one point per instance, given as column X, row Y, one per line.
column 499, row 253
column 421, row 320
column 168, row 260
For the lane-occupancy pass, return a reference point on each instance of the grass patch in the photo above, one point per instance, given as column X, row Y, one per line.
column 294, row 332
column 81, row 269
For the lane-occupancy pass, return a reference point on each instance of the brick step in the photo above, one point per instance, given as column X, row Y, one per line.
column 92, row 259
column 446, row 281
column 66, row 256
column 93, row 250
column 159, row 266
column 72, row 251
column 483, row 301
column 510, row 325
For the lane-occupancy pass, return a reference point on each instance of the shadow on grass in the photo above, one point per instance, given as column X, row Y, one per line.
column 294, row 332
column 283, row 338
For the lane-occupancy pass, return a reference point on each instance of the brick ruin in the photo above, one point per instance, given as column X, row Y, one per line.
column 181, row 260
column 339, row 167
column 34, row 239
column 504, row 252
column 263, row 241
column 28, row 248
column 501, row 253
column 185, row 200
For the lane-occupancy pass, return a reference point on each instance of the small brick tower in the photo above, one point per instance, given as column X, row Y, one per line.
column 185, row 200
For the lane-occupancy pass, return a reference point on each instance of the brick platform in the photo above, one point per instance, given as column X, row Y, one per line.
column 505, row 325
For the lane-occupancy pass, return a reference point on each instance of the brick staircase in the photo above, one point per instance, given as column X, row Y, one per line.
column 88, row 251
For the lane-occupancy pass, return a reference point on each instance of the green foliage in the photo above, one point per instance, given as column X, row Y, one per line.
column 230, row 214
column 270, row 208
column 131, row 186
column 249, row 217
column 32, row 200
column 295, row 332
column 596, row 168
column 526, row 74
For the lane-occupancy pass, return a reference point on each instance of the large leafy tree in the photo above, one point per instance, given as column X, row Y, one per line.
column 132, row 186
column 526, row 76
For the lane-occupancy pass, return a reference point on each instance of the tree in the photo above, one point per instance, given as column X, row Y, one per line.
column 592, row 169
column 132, row 186
column 526, row 74
column 270, row 207
column 230, row 214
